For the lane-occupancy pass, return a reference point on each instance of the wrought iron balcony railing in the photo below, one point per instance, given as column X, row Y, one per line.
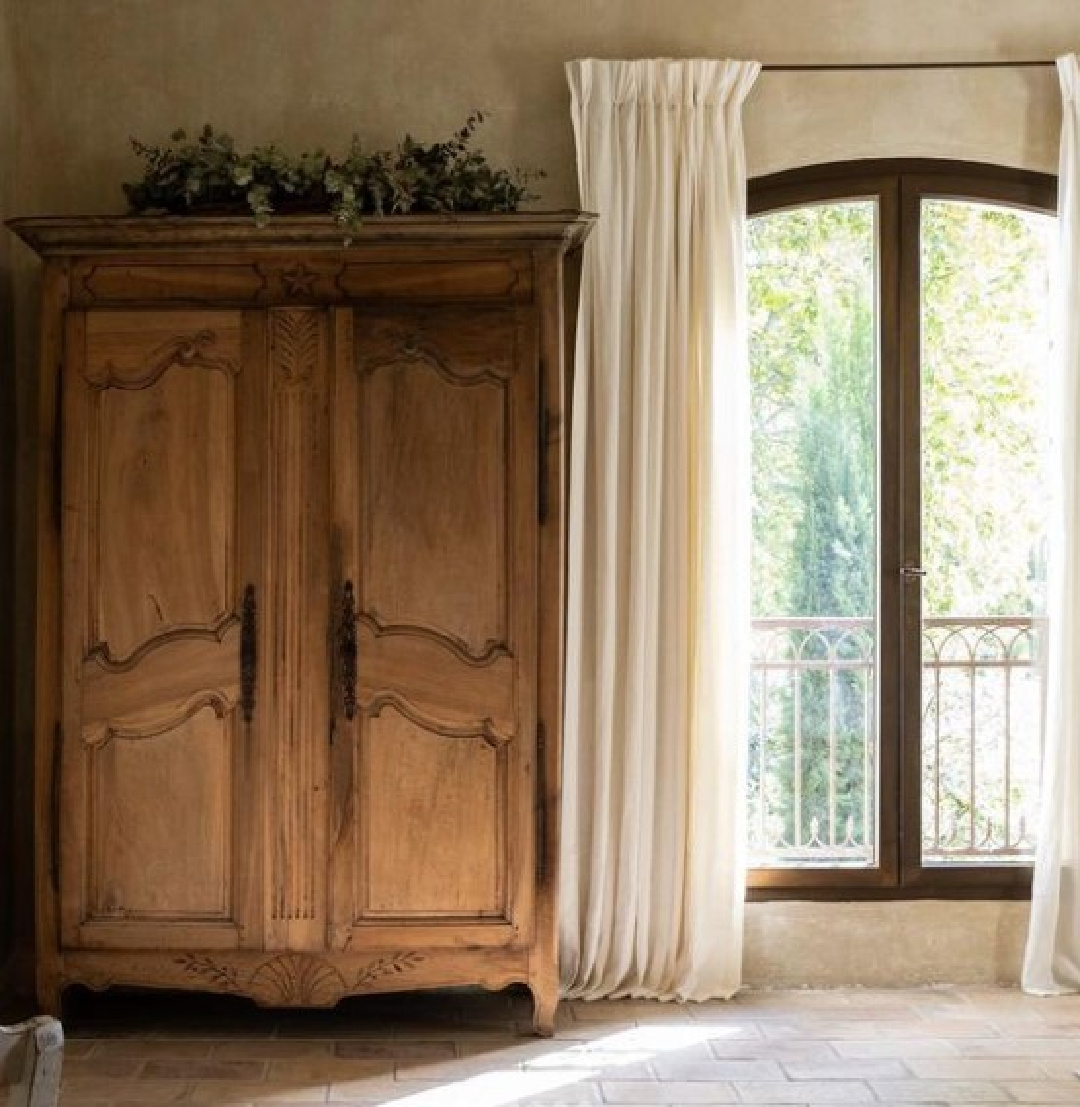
column 813, row 741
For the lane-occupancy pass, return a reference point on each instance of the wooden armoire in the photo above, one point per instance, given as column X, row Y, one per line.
column 300, row 617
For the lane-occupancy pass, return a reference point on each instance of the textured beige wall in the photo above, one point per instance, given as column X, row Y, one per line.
column 1008, row 116
column 893, row 944
column 93, row 72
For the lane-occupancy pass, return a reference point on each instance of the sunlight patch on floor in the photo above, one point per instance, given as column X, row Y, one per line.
column 581, row 1061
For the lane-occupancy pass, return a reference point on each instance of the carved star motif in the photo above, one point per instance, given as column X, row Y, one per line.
column 299, row 280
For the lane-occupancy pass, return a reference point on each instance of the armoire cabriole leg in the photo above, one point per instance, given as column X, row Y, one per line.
column 545, row 1004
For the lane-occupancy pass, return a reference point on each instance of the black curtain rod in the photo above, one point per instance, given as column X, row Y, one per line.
column 840, row 67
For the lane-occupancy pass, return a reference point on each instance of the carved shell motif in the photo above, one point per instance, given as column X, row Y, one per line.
column 295, row 979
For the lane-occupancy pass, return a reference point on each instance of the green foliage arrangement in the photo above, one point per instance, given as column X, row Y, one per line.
column 209, row 173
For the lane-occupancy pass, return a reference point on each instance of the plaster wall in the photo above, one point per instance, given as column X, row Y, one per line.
column 97, row 71
column 902, row 943
column 94, row 72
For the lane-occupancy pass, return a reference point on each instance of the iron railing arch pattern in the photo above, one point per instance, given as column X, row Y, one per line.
column 982, row 738
column 813, row 740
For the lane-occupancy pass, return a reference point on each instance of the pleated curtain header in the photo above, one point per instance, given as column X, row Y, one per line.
column 662, row 81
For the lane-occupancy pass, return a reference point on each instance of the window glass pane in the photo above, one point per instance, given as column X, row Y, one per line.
column 813, row 732
column 985, row 355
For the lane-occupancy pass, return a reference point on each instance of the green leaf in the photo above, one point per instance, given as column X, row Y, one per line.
column 414, row 176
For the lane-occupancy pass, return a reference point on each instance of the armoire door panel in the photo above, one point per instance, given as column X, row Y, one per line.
column 435, row 506
column 435, row 421
column 166, row 477
column 435, row 844
column 170, row 859
column 163, row 684
column 437, row 682
column 160, row 409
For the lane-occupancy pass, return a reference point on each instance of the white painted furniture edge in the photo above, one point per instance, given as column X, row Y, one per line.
column 31, row 1055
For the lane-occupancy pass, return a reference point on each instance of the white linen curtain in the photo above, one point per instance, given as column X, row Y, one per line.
column 1052, row 956
column 659, row 536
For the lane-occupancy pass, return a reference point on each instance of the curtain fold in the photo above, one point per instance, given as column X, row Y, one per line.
column 659, row 536
column 1052, row 954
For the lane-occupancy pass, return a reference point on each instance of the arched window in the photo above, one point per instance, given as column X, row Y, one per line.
column 899, row 350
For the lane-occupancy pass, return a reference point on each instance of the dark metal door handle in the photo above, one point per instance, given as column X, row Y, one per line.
column 349, row 650
column 248, row 656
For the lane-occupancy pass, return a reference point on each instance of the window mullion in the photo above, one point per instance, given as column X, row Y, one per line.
column 907, row 616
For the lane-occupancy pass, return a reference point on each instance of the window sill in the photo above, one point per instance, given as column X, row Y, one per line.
column 764, row 885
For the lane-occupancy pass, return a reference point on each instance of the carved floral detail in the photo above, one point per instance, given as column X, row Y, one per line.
column 296, row 979
column 223, row 977
column 185, row 350
column 386, row 966
column 389, row 341
column 296, row 345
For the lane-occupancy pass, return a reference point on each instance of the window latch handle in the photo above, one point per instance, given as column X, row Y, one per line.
column 912, row 571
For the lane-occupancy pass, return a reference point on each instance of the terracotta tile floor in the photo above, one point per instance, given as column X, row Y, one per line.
column 828, row 1047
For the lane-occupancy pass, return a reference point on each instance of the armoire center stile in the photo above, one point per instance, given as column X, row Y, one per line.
column 300, row 614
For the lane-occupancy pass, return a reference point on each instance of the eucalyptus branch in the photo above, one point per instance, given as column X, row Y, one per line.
column 208, row 173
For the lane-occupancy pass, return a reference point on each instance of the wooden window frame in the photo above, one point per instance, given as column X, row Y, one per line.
column 899, row 187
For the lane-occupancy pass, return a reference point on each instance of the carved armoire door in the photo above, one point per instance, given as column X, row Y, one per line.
column 435, row 502
column 164, row 424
